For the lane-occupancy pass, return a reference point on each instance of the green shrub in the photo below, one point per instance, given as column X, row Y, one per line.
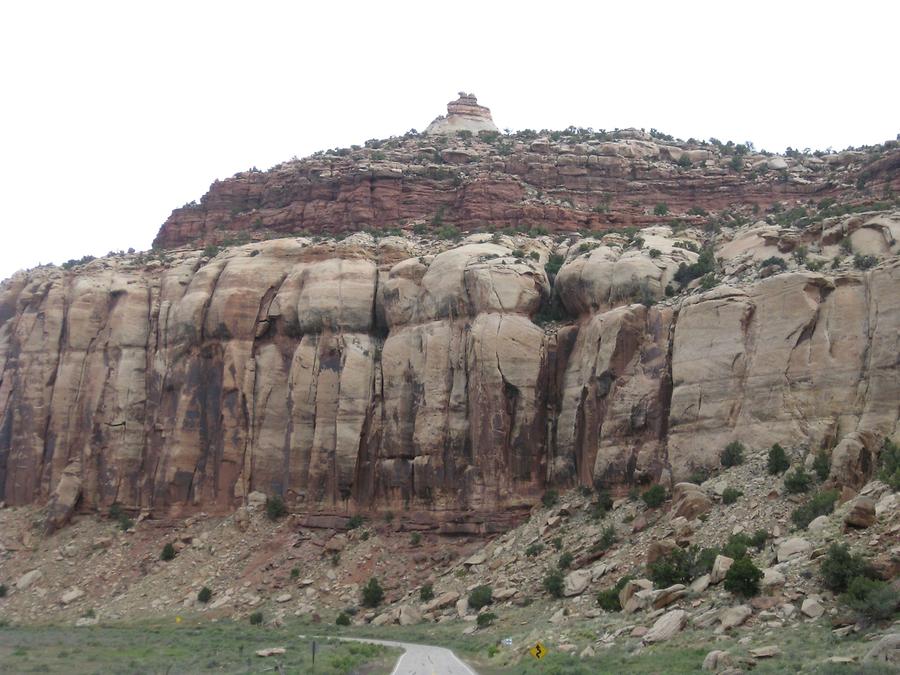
column 553, row 583
column 342, row 619
column 703, row 561
column 481, row 596
column 797, row 481
column 699, row 475
column 839, row 566
column 654, row 253
column 864, row 262
column 3, row 590
column 426, row 593
column 608, row 599
column 415, row 539
column 705, row 264
column 607, row 539
column 604, row 500
column 557, row 543
column 211, row 251
column 372, row 593
column 730, row 495
column 820, row 504
column 759, row 539
column 168, row 552
column 565, row 561
column 204, row 595
column 554, row 263
column 737, row 545
column 743, row 578
column 822, row 465
column 660, row 209
column 256, row 619
column 355, row 522
column 872, row 599
column 275, row 507
column 684, row 162
column 449, row 232
column 889, row 463
column 295, row 573
column 485, row 619
column 534, row 255
column 674, row 568
column 778, row 460
column 550, row 498
column 732, row 455
column 655, row 496
column 533, row 550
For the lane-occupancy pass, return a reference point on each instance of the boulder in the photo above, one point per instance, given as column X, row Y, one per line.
column 766, row 652
column 886, row 650
column 660, row 549
column 666, row 596
column 861, row 513
column 462, row 607
column 576, row 582
column 441, row 601
column 477, row 559
column 772, row 578
column 793, row 548
column 71, row 596
column 720, row 568
column 666, row 626
column 818, row 524
column 812, row 608
column 689, row 501
column 284, row 597
column 629, row 590
column 717, row 660
column 256, row 500
column 409, row 615
column 700, row 584
column 733, row 617
column 28, row 579
column 502, row 594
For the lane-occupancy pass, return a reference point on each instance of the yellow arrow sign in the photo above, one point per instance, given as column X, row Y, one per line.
column 539, row 651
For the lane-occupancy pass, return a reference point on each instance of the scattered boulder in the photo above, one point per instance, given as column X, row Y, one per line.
column 284, row 597
column 666, row 626
column 666, row 596
column 886, row 650
column 772, row 578
column 271, row 651
column 795, row 547
column 660, row 549
column 71, row 596
column 720, row 568
column 861, row 513
column 28, row 579
column 256, row 500
column 734, row 616
column 689, row 501
column 478, row 559
column 812, row 608
column 409, row 616
column 717, row 660
column 441, row 601
column 575, row 583
column 765, row 652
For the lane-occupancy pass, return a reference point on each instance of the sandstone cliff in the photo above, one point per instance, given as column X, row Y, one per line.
column 409, row 372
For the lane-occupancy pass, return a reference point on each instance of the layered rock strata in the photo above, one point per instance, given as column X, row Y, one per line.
column 402, row 373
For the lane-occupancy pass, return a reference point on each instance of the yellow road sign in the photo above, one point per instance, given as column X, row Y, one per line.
column 539, row 651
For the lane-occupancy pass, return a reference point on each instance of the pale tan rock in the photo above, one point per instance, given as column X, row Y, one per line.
column 576, row 582
column 733, row 617
column 666, row 626
column 720, row 568
column 861, row 513
column 792, row 548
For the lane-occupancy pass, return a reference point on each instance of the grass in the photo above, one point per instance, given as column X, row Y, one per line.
column 198, row 645
column 192, row 646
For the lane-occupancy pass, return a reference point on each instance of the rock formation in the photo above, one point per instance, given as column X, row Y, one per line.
column 424, row 374
column 463, row 114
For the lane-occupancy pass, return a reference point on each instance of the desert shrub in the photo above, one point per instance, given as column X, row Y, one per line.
column 533, row 550
column 485, row 619
column 820, row 504
column 743, row 578
column 840, row 565
column 355, row 522
column 864, row 262
column 604, row 500
column 732, row 455
column 608, row 599
column 342, row 619
column 448, row 232
column 889, row 463
column 797, row 481
column 730, row 495
column 415, row 539
column 518, row 253
column 554, row 263
column 699, row 475
column 703, row 561
column 705, row 264
column 295, row 573
column 822, row 465
column 654, row 253
column 550, row 498
column 481, row 596
column 607, row 539
column 426, row 593
column 256, row 619
column 211, row 251
column 778, row 460
column 275, row 507
column 660, row 209
column 737, row 545
column 553, row 583
column 872, row 599
column 684, row 162
column 3, row 590
column 372, row 593
column 565, row 561
column 674, row 568
column 204, row 595
column 759, row 539
column 168, row 552
column 534, row 255
column 655, row 496
column 557, row 543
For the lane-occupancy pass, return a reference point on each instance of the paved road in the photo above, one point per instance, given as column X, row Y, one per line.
column 421, row 659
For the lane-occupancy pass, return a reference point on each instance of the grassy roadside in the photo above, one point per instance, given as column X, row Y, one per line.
column 192, row 646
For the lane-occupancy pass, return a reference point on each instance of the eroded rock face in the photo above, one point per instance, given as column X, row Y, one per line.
column 358, row 375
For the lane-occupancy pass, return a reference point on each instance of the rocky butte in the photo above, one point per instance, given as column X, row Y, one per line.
column 450, row 323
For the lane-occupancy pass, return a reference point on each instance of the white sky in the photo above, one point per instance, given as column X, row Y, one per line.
column 114, row 113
